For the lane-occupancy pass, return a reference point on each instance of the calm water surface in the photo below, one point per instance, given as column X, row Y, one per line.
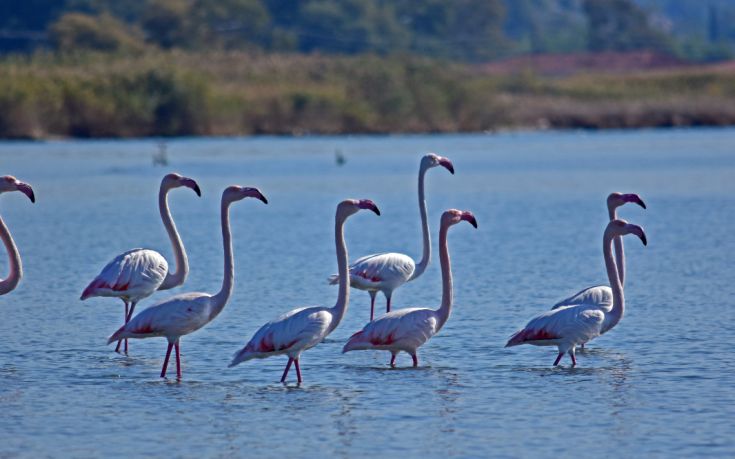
column 660, row 384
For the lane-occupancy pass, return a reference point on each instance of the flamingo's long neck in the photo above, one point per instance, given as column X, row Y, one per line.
column 182, row 263
column 446, row 307
column 619, row 253
column 220, row 299
column 16, row 268
column 426, row 256
column 343, row 296
column 618, row 309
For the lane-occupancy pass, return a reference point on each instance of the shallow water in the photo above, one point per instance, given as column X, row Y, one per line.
column 660, row 384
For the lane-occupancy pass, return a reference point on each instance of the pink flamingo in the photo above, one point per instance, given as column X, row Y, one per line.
column 568, row 326
column 10, row 183
column 188, row 312
column 408, row 329
column 385, row 272
column 136, row 274
column 303, row 328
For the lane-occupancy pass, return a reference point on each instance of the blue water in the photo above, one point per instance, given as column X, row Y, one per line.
column 660, row 384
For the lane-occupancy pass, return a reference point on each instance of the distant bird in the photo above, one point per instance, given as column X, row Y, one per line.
column 137, row 273
column 339, row 157
column 188, row 312
column 408, row 329
column 303, row 328
column 568, row 326
column 10, row 183
column 385, row 272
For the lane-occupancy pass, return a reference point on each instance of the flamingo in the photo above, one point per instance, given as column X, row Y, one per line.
column 303, row 328
column 408, row 329
column 602, row 294
column 136, row 274
column 568, row 326
column 10, row 183
column 385, row 272
column 188, row 312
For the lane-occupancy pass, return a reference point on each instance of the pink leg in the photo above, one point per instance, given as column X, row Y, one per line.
column 285, row 372
column 125, row 318
column 574, row 360
column 393, row 360
column 178, row 360
column 558, row 358
column 165, row 361
column 415, row 360
column 298, row 371
column 372, row 305
column 387, row 307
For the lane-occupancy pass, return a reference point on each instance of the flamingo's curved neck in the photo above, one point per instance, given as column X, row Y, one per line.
column 343, row 296
column 16, row 268
column 220, row 299
column 619, row 253
column 446, row 307
column 182, row 263
column 618, row 309
column 426, row 256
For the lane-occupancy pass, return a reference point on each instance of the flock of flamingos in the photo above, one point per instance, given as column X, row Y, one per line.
column 136, row 274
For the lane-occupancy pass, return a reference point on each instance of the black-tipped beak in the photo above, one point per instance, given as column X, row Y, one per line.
column 643, row 238
column 634, row 198
column 262, row 198
column 190, row 183
column 368, row 204
column 638, row 231
column 447, row 164
column 468, row 217
column 26, row 190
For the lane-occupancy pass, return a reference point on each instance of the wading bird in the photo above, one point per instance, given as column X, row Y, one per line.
column 188, row 312
column 303, row 328
column 568, row 326
column 408, row 329
column 10, row 183
column 385, row 272
column 137, row 273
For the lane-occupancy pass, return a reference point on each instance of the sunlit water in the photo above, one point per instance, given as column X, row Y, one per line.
column 660, row 384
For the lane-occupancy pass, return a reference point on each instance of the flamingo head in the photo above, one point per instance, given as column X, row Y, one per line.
column 235, row 193
column 351, row 206
column 433, row 160
column 10, row 183
column 615, row 200
column 621, row 228
column 175, row 180
column 454, row 216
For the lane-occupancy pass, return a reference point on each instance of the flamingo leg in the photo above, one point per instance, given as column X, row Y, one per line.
column 178, row 360
column 393, row 360
column 415, row 360
column 574, row 359
column 165, row 361
column 128, row 316
column 285, row 372
column 387, row 306
column 558, row 358
column 298, row 370
column 372, row 305
column 125, row 318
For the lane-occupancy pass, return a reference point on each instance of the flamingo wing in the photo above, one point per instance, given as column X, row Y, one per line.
column 572, row 324
column 135, row 274
column 391, row 269
column 403, row 329
column 600, row 295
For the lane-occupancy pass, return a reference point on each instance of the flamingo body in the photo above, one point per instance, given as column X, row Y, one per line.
column 565, row 327
column 132, row 275
column 381, row 272
column 600, row 295
column 403, row 330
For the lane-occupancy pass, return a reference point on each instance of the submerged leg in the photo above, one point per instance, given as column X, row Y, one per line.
column 298, row 370
column 178, row 361
column 285, row 372
column 392, row 360
column 574, row 360
column 415, row 360
column 125, row 318
column 165, row 361
column 372, row 304
column 558, row 358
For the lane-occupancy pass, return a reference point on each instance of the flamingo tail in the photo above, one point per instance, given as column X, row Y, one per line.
column 240, row 356
column 117, row 336
column 333, row 279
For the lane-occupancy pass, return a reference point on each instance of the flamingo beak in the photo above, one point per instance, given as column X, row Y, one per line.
column 468, row 217
column 26, row 190
column 190, row 183
column 638, row 231
column 634, row 198
column 368, row 204
column 447, row 164
column 255, row 193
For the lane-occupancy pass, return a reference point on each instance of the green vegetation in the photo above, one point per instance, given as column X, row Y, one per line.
column 235, row 93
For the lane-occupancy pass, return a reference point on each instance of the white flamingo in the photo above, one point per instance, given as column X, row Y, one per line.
column 303, row 328
column 10, row 183
column 188, row 312
column 385, row 272
column 602, row 294
column 136, row 274
column 408, row 329
column 568, row 326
